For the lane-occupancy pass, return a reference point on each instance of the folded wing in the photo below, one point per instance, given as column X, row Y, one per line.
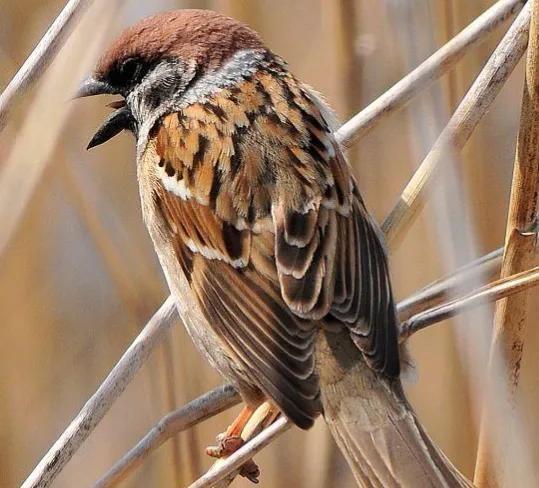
column 272, row 234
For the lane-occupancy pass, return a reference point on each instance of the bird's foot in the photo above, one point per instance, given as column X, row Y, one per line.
column 247, row 424
column 226, row 445
column 231, row 440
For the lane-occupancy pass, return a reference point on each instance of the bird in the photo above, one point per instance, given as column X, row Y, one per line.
column 278, row 270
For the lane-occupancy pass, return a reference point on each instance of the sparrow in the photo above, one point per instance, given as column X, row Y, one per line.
column 278, row 271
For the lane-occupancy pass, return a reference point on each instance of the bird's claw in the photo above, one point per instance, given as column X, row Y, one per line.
column 228, row 444
column 251, row 471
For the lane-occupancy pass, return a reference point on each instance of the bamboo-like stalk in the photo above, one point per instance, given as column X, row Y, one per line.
column 42, row 55
column 461, row 125
column 194, row 412
column 520, row 240
column 427, row 72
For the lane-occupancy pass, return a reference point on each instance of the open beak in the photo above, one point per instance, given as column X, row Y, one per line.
column 119, row 120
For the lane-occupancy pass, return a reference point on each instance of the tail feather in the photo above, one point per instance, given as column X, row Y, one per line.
column 374, row 425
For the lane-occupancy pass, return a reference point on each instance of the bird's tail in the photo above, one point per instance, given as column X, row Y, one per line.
column 373, row 424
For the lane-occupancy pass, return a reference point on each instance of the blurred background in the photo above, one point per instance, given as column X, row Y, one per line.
column 79, row 278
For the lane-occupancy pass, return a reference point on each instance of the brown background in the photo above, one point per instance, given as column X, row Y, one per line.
column 78, row 275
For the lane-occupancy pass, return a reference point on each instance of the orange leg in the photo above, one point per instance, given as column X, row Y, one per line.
column 236, row 427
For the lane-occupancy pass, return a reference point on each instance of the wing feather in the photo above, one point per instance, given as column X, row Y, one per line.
column 261, row 334
column 273, row 236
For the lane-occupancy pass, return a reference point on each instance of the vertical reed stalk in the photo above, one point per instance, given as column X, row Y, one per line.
column 511, row 315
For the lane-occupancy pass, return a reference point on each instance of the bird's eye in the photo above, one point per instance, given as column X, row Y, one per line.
column 131, row 70
column 128, row 73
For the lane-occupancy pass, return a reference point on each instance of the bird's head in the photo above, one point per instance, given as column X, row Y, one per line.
column 167, row 61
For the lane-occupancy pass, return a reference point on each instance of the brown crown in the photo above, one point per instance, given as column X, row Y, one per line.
column 207, row 37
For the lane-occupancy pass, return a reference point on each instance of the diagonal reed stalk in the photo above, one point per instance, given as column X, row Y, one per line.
column 481, row 270
column 510, row 49
column 42, row 55
column 427, row 72
column 498, row 290
column 194, row 412
column 510, row 319
column 460, row 127
column 98, row 405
